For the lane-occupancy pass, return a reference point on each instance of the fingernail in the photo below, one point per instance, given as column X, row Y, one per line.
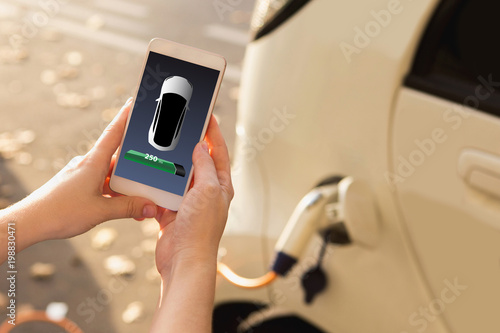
column 129, row 100
column 204, row 145
column 148, row 211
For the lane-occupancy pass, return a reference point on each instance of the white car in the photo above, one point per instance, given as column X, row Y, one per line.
column 165, row 129
column 399, row 101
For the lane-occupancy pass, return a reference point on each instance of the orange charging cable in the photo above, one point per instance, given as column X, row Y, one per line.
column 242, row 282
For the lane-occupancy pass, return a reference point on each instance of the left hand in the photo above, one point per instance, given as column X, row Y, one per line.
column 78, row 198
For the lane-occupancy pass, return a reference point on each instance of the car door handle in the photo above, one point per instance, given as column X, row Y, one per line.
column 480, row 170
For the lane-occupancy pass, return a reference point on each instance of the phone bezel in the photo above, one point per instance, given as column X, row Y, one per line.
column 189, row 54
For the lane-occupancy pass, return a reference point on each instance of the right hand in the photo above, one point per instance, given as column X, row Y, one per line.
column 192, row 234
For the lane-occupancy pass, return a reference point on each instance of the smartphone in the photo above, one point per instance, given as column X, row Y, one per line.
column 175, row 97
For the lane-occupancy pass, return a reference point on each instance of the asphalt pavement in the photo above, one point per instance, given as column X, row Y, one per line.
column 66, row 67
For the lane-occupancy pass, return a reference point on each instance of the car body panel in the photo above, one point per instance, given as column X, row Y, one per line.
column 454, row 227
column 339, row 123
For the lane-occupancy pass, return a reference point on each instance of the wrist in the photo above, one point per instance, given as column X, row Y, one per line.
column 189, row 262
column 187, row 295
column 26, row 219
column 185, row 274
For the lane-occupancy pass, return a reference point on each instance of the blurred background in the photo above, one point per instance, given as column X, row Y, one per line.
column 66, row 67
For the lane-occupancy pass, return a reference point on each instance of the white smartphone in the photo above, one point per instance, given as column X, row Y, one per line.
column 169, row 116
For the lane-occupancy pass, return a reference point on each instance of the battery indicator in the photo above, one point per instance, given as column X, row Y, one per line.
column 156, row 163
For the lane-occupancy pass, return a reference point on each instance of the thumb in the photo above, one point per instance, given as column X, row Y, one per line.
column 204, row 168
column 129, row 207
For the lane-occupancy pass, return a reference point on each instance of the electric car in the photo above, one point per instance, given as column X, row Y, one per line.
column 366, row 170
column 165, row 130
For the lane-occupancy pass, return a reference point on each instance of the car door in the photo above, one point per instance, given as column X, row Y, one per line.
column 446, row 164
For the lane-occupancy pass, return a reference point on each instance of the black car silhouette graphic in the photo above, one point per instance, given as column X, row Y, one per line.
column 171, row 109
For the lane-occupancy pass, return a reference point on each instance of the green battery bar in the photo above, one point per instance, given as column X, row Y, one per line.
column 155, row 162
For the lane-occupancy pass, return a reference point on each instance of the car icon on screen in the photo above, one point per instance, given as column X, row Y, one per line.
column 171, row 108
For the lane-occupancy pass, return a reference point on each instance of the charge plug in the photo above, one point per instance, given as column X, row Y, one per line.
column 315, row 280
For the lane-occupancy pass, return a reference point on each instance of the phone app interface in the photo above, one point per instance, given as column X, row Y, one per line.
column 170, row 110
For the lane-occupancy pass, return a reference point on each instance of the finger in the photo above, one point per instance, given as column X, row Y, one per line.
column 204, row 167
column 106, row 190
column 110, row 139
column 128, row 207
column 219, row 153
column 165, row 216
column 159, row 213
column 111, row 165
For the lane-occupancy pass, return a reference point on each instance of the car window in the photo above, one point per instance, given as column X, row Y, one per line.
column 170, row 115
column 459, row 55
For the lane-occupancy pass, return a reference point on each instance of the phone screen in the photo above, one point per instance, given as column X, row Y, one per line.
column 170, row 109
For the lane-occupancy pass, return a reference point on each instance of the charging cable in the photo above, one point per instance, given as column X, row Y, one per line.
column 242, row 282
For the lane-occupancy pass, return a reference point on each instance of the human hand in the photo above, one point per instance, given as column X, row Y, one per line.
column 186, row 252
column 192, row 234
column 78, row 198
